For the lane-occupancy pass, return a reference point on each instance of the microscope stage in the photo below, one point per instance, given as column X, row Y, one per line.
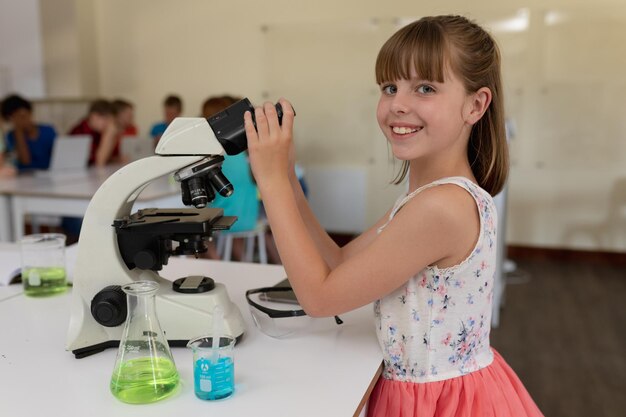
column 187, row 221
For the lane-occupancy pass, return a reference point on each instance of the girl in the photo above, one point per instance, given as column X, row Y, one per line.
column 428, row 264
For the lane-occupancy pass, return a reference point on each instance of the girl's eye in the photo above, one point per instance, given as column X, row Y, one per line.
column 425, row 89
column 389, row 89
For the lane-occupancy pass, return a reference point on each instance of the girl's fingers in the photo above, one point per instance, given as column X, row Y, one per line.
column 251, row 133
column 267, row 125
column 288, row 114
column 272, row 117
column 261, row 123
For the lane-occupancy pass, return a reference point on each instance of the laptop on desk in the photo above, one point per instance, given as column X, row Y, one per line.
column 70, row 153
column 133, row 148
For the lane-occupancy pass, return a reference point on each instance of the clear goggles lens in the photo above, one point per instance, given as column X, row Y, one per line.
column 276, row 312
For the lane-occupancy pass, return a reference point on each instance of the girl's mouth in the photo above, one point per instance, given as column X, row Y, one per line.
column 404, row 130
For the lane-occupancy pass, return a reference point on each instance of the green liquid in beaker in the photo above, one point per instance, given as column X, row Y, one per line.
column 144, row 380
column 41, row 282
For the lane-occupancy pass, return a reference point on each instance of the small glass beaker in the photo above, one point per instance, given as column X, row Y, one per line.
column 144, row 369
column 43, row 264
column 213, row 367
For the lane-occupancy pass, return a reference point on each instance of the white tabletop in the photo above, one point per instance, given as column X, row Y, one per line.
column 78, row 184
column 324, row 372
column 41, row 179
column 68, row 194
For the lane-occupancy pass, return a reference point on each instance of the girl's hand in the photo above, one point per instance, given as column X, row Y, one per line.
column 270, row 145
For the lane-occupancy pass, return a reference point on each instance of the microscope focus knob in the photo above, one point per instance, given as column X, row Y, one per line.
column 145, row 259
column 108, row 307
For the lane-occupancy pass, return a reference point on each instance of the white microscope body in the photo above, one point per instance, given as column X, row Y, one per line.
column 186, row 142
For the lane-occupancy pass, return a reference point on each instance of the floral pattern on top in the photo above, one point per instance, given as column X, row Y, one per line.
column 437, row 325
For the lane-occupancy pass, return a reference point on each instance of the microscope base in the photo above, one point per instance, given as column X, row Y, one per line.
column 183, row 317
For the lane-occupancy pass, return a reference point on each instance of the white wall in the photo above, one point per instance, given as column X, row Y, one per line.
column 21, row 63
column 70, row 49
column 565, row 86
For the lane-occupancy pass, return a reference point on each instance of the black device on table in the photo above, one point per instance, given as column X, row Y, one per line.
column 280, row 296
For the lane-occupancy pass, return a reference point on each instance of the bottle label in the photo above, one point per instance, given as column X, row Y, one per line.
column 204, row 374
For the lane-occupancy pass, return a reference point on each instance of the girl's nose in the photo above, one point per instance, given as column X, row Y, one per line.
column 399, row 104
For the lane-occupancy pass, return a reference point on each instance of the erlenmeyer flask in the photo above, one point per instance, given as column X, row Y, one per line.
column 144, row 369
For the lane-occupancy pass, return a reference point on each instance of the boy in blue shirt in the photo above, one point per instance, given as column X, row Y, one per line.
column 29, row 143
column 172, row 108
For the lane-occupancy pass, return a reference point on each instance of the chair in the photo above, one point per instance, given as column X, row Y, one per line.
column 225, row 243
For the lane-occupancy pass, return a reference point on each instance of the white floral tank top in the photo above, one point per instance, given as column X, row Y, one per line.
column 437, row 325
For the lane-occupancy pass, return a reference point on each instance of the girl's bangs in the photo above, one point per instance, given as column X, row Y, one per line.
column 420, row 46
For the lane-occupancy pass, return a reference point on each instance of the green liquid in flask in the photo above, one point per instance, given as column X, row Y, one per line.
column 144, row 380
column 41, row 282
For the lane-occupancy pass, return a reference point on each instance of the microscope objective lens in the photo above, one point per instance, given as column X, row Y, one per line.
column 197, row 192
column 226, row 191
column 221, row 183
column 199, row 202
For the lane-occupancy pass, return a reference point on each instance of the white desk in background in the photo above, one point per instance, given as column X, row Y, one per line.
column 24, row 183
column 327, row 371
column 68, row 195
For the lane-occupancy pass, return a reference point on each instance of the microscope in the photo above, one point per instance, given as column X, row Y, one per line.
column 117, row 248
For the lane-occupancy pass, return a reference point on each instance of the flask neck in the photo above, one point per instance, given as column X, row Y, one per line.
column 141, row 297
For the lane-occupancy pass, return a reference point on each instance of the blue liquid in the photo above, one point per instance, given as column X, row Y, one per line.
column 214, row 381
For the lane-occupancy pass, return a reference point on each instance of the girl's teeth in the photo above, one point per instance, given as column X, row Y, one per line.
column 403, row 130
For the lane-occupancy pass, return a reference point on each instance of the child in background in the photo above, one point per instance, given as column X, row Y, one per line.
column 124, row 113
column 100, row 125
column 428, row 265
column 29, row 142
column 172, row 108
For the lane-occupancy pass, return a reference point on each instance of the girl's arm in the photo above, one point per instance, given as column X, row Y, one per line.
column 330, row 251
column 438, row 226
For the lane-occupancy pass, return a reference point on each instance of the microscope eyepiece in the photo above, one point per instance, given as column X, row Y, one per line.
column 229, row 129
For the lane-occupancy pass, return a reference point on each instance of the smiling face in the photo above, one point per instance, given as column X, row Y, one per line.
column 422, row 118
column 439, row 75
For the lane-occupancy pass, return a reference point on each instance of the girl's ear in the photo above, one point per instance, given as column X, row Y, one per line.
column 477, row 104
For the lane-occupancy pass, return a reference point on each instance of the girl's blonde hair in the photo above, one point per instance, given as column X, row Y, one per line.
column 432, row 44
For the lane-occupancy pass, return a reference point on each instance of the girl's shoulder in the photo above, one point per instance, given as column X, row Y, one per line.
column 444, row 193
column 439, row 209
column 449, row 213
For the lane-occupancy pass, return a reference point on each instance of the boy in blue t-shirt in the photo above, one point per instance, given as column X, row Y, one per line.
column 29, row 143
column 172, row 108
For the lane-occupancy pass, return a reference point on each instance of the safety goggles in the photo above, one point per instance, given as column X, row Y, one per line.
column 276, row 312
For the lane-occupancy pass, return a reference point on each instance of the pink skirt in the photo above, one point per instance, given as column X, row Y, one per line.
column 489, row 392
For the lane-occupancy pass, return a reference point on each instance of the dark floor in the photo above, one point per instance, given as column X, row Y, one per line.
column 563, row 330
